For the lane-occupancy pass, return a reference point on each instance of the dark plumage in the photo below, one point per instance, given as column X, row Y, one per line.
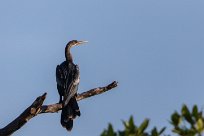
column 67, row 76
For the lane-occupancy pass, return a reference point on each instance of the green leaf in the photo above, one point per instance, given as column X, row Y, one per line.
column 143, row 126
column 131, row 122
column 200, row 125
column 175, row 119
column 162, row 130
column 130, row 127
column 109, row 132
column 125, row 124
column 177, row 130
column 187, row 115
column 154, row 132
column 195, row 112
column 103, row 133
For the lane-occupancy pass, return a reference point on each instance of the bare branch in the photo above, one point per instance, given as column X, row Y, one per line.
column 96, row 91
column 52, row 108
column 37, row 108
column 29, row 113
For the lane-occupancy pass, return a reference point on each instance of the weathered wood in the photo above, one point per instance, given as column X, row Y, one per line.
column 37, row 108
column 24, row 117
column 52, row 108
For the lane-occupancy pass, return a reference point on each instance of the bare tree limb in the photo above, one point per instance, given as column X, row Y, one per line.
column 37, row 108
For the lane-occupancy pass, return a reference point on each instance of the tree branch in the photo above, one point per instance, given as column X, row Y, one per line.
column 37, row 108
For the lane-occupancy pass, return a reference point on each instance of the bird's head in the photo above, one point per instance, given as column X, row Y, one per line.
column 70, row 44
column 75, row 43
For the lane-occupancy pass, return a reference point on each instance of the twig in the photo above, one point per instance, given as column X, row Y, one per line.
column 37, row 108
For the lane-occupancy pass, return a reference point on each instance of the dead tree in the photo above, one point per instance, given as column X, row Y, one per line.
column 37, row 107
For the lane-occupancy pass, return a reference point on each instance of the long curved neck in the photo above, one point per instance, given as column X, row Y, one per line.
column 68, row 54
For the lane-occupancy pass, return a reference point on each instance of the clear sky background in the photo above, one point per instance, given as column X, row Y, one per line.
column 153, row 48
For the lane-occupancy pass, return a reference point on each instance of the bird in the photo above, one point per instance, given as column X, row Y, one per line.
column 67, row 78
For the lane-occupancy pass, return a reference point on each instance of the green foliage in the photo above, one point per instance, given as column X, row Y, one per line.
column 130, row 129
column 109, row 131
column 155, row 132
column 186, row 123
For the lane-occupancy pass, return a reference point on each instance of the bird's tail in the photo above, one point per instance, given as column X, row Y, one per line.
column 69, row 113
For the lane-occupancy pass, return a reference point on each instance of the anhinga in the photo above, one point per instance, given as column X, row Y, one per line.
column 67, row 76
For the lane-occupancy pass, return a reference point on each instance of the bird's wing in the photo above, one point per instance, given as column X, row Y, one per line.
column 73, row 86
column 60, row 77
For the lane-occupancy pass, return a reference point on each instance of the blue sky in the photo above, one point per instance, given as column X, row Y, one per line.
column 154, row 49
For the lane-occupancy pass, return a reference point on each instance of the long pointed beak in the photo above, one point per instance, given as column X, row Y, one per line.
column 81, row 42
